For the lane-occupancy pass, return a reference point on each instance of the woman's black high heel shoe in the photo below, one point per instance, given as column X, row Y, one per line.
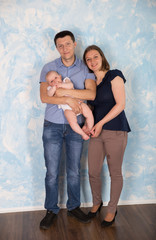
column 93, row 214
column 106, row 223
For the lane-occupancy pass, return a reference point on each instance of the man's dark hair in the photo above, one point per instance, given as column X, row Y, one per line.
column 64, row 34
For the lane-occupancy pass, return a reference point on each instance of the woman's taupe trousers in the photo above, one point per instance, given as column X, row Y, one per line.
column 109, row 144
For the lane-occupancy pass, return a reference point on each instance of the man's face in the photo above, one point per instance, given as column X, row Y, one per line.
column 66, row 48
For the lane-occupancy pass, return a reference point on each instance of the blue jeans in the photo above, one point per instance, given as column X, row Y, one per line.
column 53, row 137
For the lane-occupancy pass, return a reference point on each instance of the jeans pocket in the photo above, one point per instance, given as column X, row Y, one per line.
column 47, row 123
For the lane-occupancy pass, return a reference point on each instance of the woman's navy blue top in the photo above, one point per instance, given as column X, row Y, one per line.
column 105, row 101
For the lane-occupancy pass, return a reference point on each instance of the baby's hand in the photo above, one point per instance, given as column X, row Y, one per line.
column 58, row 85
column 51, row 91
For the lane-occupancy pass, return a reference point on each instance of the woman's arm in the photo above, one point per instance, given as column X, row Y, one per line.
column 118, row 90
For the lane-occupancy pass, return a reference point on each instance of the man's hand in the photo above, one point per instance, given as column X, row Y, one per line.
column 58, row 85
column 60, row 92
column 75, row 104
column 86, row 130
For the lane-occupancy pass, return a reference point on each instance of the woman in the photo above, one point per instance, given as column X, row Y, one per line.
column 109, row 134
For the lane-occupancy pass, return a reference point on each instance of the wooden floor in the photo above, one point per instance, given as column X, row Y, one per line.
column 133, row 222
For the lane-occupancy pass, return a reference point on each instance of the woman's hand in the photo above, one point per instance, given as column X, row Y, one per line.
column 96, row 130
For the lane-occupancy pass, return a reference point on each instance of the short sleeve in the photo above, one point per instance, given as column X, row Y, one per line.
column 114, row 73
column 47, row 67
column 89, row 75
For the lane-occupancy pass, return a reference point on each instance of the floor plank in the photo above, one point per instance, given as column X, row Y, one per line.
column 133, row 222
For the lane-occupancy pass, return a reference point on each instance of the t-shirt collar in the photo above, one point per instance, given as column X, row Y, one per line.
column 76, row 62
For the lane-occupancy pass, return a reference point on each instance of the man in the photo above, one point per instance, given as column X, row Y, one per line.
column 56, row 128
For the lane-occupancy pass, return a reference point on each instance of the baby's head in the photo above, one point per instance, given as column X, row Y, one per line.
column 53, row 77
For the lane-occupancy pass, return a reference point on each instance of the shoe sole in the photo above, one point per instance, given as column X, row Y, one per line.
column 45, row 228
column 82, row 221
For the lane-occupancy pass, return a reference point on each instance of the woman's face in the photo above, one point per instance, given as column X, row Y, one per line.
column 94, row 60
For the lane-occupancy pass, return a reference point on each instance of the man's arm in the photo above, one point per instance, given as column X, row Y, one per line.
column 72, row 102
column 46, row 99
column 88, row 93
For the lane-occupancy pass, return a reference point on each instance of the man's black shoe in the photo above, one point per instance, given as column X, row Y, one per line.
column 47, row 221
column 79, row 215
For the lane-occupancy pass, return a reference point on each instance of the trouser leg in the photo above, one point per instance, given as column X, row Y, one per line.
column 74, row 144
column 96, row 155
column 52, row 142
column 115, row 144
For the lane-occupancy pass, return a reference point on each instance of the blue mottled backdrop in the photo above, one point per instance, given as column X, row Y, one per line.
column 126, row 31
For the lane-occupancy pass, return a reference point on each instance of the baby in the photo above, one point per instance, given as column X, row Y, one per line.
column 54, row 81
